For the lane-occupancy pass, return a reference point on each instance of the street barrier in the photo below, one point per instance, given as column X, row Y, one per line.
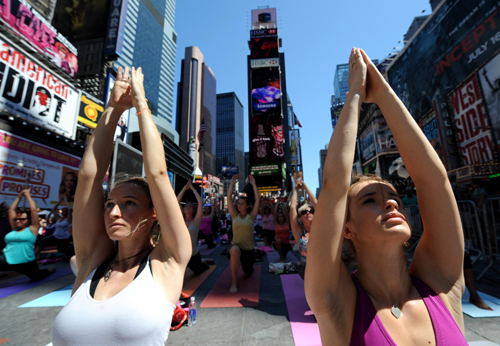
column 491, row 217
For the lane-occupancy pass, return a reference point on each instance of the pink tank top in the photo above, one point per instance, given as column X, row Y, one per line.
column 206, row 225
column 369, row 330
column 268, row 222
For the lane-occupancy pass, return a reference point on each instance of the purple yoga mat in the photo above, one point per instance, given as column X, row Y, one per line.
column 274, row 257
column 205, row 251
column 24, row 283
column 305, row 329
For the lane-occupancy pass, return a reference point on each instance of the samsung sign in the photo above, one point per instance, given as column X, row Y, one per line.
column 258, row 63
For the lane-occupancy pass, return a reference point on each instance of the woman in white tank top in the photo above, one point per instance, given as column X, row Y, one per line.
column 124, row 295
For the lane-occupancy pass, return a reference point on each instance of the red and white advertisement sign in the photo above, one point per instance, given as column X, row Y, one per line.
column 35, row 94
column 474, row 136
column 51, row 171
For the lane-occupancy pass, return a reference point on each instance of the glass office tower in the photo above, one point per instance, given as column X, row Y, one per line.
column 151, row 42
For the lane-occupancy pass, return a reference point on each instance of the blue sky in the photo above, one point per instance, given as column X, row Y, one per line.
column 317, row 35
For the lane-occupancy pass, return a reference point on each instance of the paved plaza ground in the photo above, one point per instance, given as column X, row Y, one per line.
column 266, row 324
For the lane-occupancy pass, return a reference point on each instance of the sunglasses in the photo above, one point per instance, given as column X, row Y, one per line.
column 304, row 212
column 21, row 219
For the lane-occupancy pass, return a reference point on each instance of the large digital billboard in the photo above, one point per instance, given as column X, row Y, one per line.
column 268, row 177
column 266, row 91
column 429, row 126
column 264, row 18
column 51, row 171
column 264, row 44
column 28, row 23
column 471, row 123
column 36, row 95
column 266, row 140
column 81, row 20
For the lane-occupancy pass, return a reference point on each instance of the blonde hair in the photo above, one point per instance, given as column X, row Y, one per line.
column 304, row 207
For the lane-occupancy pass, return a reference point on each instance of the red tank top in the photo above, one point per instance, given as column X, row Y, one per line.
column 283, row 233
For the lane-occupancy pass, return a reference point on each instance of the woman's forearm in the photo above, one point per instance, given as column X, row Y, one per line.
column 97, row 156
column 338, row 163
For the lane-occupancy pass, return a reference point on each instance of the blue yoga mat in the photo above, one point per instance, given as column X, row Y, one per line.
column 24, row 283
column 475, row 312
column 56, row 298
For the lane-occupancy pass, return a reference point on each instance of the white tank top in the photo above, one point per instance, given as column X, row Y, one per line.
column 138, row 315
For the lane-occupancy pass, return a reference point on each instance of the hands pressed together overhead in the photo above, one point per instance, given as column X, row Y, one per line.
column 128, row 91
column 364, row 77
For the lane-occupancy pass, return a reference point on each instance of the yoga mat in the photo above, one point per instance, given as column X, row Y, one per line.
column 482, row 343
column 205, row 251
column 56, row 298
column 247, row 295
column 475, row 312
column 274, row 257
column 3, row 341
column 192, row 282
column 305, row 330
column 19, row 285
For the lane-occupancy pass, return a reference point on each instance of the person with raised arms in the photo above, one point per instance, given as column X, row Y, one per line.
column 192, row 216
column 124, row 294
column 242, row 248
column 384, row 303
column 301, row 220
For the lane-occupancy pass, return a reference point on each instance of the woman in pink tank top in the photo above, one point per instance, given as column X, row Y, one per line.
column 282, row 241
column 384, row 303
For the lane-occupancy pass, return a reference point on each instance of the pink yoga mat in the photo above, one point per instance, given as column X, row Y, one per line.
column 247, row 295
column 305, row 330
column 274, row 257
column 205, row 251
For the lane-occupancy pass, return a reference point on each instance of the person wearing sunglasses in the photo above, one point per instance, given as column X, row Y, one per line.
column 301, row 222
column 18, row 254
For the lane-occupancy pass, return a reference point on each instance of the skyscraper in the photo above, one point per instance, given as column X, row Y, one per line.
column 149, row 40
column 196, row 108
column 340, row 85
column 230, row 140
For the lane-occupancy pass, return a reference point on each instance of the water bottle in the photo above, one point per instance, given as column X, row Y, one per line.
column 192, row 313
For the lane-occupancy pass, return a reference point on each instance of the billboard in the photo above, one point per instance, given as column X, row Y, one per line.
column 53, row 172
column 260, row 63
column 367, row 143
column 430, row 128
column 121, row 132
column 295, row 148
column 113, row 40
column 268, row 177
column 90, row 111
column 489, row 77
column 471, row 123
column 126, row 159
column 266, row 91
column 229, row 171
column 384, row 140
column 28, row 23
column 458, row 38
column 264, row 19
column 266, row 140
column 264, row 44
column 392, row 168
column 36, row 95
column 81, row 20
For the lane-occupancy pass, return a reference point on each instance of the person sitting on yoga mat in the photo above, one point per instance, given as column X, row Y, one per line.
column 18, row 254
column 268, row 233
column 282, row 241
column 301, row 222
column 383, row 303
column 192, row 217
column 207, row 223
column 242, row 248
column 126, row 294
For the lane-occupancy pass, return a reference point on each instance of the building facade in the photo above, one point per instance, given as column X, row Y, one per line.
column 149, row 40
column 230, row 138
column 196, row 106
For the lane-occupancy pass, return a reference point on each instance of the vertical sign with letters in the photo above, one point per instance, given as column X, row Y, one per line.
column 113, row 41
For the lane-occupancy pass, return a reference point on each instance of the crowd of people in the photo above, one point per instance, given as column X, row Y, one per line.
column 134, row 244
